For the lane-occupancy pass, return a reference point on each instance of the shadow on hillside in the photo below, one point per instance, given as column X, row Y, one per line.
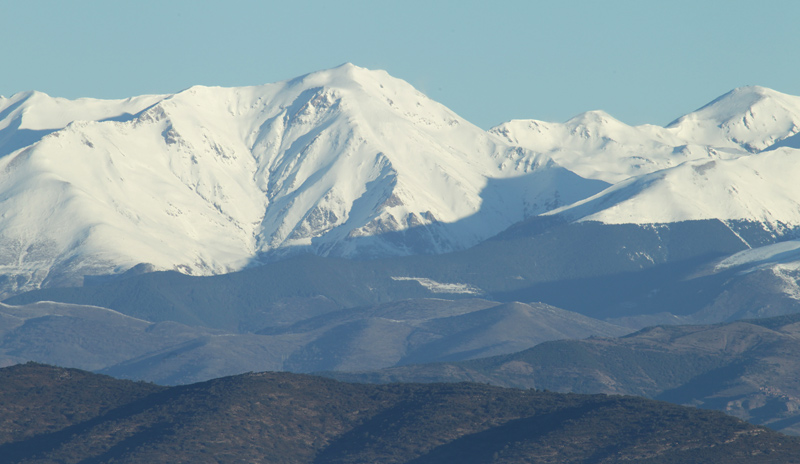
column 662, row 288
column 503, row 202
column 39, row 446
column 12, row 139
column 594, row 269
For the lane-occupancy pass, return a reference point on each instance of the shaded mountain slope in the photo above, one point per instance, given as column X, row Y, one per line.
column 410, row 331
column 523, row 264
column 746, row 368
column 104, row 340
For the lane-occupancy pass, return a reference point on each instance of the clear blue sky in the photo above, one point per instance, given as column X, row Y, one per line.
column 642, row 61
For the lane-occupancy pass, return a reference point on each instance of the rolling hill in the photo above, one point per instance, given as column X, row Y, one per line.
column 74, row 416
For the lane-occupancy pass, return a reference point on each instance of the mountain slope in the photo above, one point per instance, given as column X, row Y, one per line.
column 597, row 270
column 273, row 417
column 759, row 188
column 103, row 340
column 345, row 162
column 732, row 160
column 429, row 330
column 745, row 368
column 750, row 118
column 597, row 146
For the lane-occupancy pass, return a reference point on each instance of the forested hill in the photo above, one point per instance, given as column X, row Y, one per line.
column 50, row 414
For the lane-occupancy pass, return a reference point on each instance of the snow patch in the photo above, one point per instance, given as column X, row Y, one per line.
column 791, row 288
column 439, row 287
column 784, row 253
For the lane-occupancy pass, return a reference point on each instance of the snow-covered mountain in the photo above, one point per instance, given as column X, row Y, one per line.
column 595, row 145
column 752, row 119
column 760, row 188
column 346, row 162
column 733, row 160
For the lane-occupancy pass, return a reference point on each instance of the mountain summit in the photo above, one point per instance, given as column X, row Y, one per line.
column 748, row 118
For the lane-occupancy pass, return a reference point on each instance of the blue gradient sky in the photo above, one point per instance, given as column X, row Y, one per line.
column 642, row 61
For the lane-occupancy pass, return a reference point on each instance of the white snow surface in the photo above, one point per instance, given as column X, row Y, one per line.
column 733, row 159
column 782, row 259
column 761, row 187
column 782, row 255
column 440, row 287
column 210, row 179
column 597, row 146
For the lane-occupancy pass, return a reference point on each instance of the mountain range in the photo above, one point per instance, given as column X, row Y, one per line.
column 354, row 163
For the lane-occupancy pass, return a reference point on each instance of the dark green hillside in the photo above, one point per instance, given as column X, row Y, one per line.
column 37, row 399
column 290, row 418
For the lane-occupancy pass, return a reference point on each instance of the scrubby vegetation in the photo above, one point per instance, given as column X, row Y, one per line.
column 290, row 418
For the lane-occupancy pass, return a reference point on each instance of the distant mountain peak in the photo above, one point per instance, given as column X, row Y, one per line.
column 752, row 118
column 736, row 102
column 592, row 117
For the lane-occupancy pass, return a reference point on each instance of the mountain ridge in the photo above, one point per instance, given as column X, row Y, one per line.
column 354, row 163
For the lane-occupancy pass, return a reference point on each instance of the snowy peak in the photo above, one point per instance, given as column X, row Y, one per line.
column 750, row 118
column 734, row 159
column 595, row 145
column 38, row 111
column 26, row 117
column 734, row 104
column 596, row 118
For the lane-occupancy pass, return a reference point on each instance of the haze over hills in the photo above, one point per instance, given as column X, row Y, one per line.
column 167, row 352
column 624, row 273
column 745, row 368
